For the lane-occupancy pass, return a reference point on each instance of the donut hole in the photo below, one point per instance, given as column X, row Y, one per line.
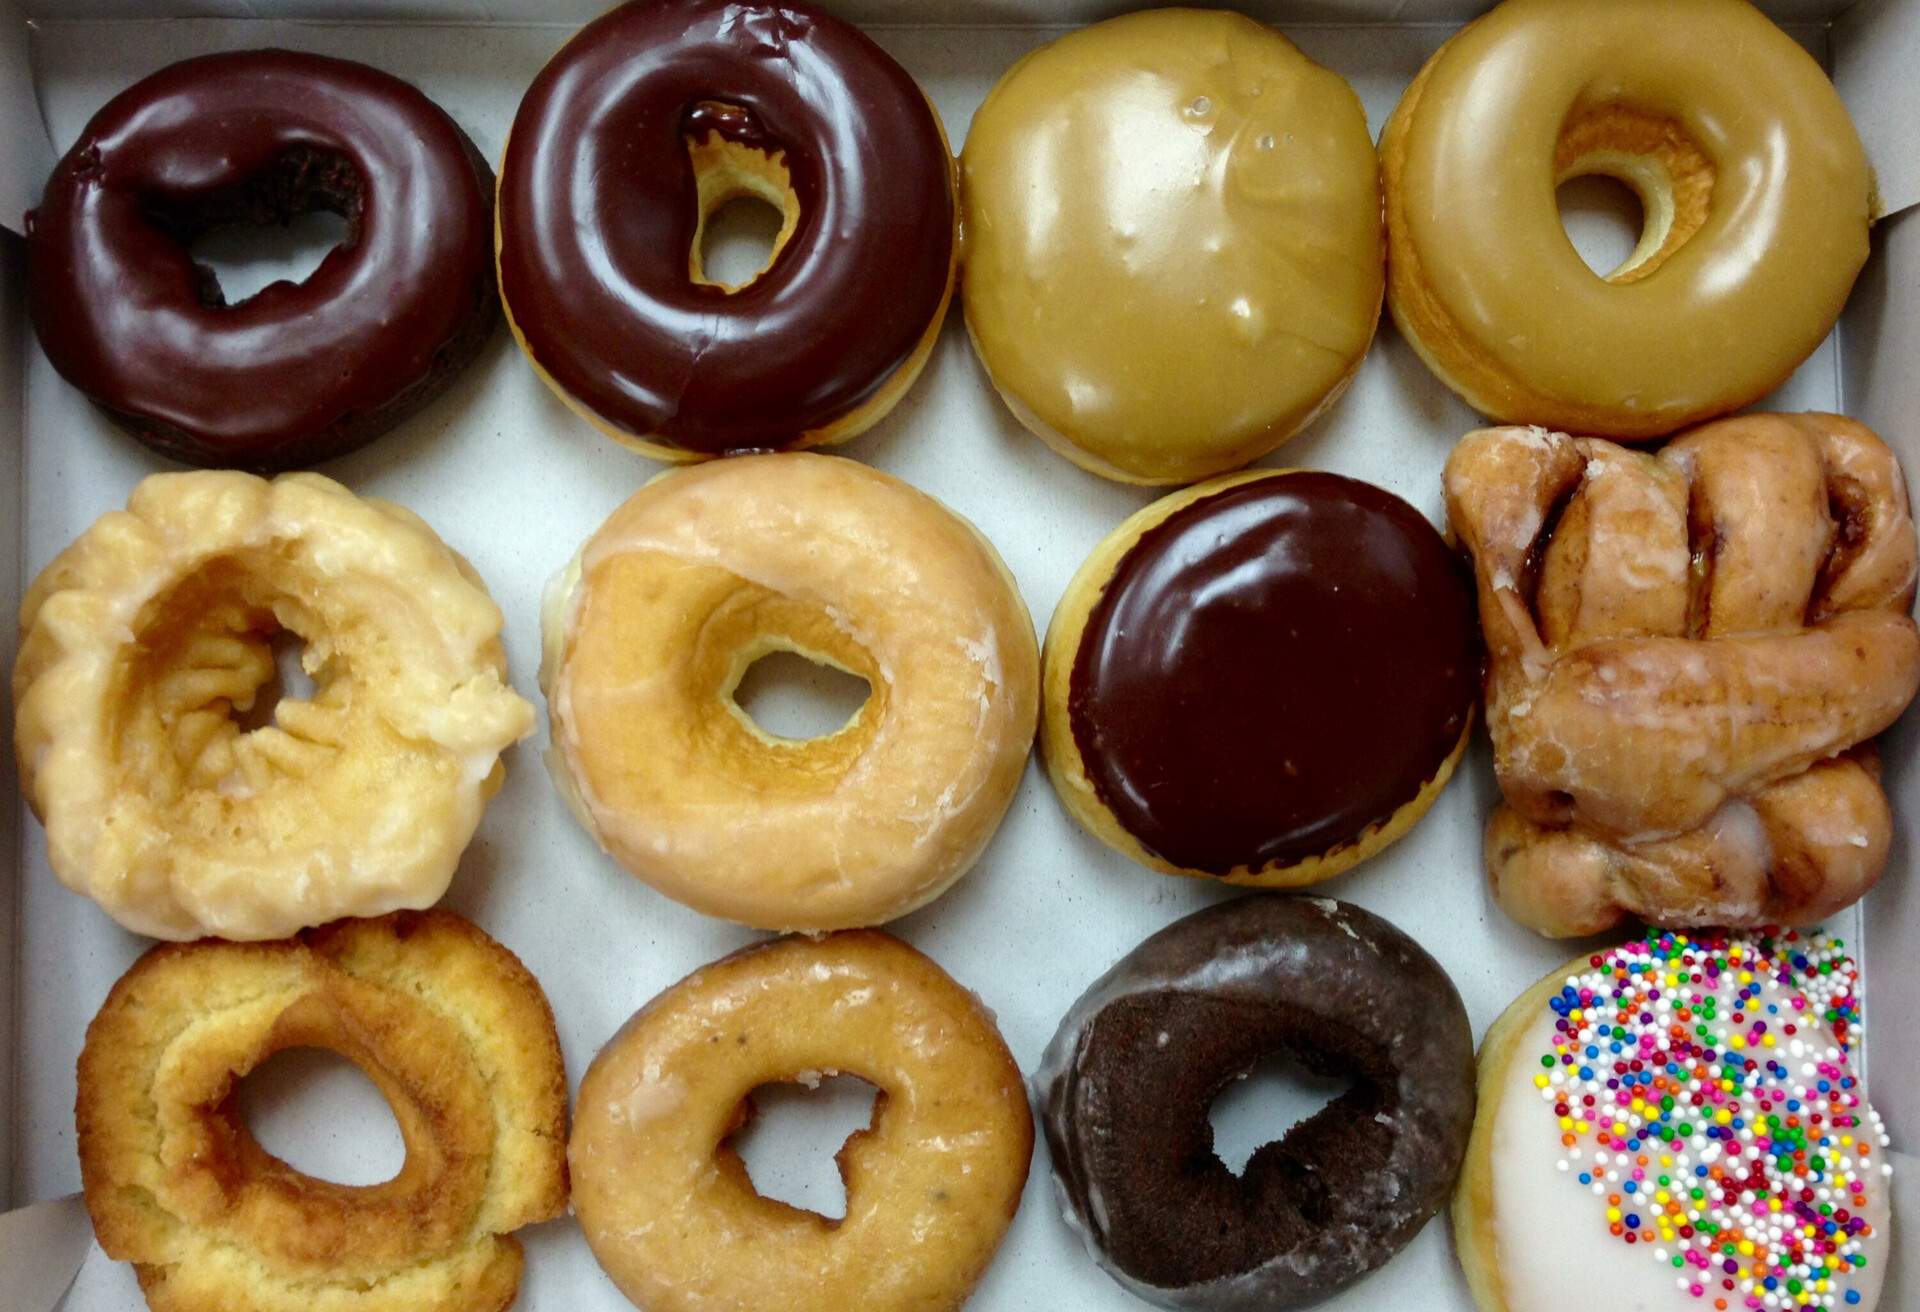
column 1634, row 188
column 798, row 696
column 738, row 239
column 277, row 225
column 748, row 209
column 1604, row 220
column 1266, row 1102
column 793, row 1133
column 318, row 1112
column 289, row 679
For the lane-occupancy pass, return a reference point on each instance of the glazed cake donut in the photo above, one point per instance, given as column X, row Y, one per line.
column 1756, row 190
column 1267, row 678
column 1126, row 1083
column 1679, row 1124
column 931, row 1184
column 1174, row 247
column 144, row 640
column 645, row 124
column 445, row 1022
column 1690, row 655
column 707, row 569
column 298, row 372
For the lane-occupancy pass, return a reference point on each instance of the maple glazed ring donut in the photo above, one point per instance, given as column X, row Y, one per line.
column 1126, row 1084
column 635, row 133
column 1757, row 192
column 297, row 372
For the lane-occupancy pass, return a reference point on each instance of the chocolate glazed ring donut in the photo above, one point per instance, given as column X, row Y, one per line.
column 1126, row 1084
column 298, row 372
column 646, row 123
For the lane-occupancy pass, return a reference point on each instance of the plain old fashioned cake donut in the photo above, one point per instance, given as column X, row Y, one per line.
column 1173, row 242
column 1267, row 678
column 297, row 372
column 931, row 1184
column 1756, row 191
column 444, row 1021
column 1679, row 1124
column 144, row 643
column 707, row 569
column 1126, row 1084
column 644, row 125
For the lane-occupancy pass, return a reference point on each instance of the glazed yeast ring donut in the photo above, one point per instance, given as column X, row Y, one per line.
column 143, row 640
column 932, row 1183
column 447, row 1024
column 1755, row 186
column 1266, row 678
column 297, row 372
column 705, row 570
column 646, row 123
column 1127, row 1081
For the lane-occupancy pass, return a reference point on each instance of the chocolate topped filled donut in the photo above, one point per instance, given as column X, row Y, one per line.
column 297, row 372
column 643, row 126
column 1127, row 1082
column 1266, row 678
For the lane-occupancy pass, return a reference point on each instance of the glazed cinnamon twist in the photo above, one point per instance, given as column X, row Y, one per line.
column 1689, row 654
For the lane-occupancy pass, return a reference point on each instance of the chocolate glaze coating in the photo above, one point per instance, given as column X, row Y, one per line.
column 1127, row 1082
column 598, row 213
column 1272, row 669
column 299, row 371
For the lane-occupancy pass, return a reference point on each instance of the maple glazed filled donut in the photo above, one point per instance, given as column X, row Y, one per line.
column 1756, row 190
column 931, row 1184
column 146, row 642
column 1680, row 1124
column 445, row 1022
column 1266, row 678
column 644, row 125
column 1127, row 1082
column 701, row 573
column 297, row 372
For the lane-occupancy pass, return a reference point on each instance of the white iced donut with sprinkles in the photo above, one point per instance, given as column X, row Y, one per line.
column 1678, row 1122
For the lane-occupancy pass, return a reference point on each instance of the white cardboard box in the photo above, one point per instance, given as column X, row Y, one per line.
column 515, row 481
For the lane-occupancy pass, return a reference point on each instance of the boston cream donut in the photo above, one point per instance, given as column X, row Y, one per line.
column 1756, row 190
column 144, row 643
column 1174, row 242
column 931, row 1184
column 644, row 125
column 1679, row 1124
column 1267, row 678
column 704, row 571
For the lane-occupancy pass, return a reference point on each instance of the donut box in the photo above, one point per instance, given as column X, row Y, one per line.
column 514, row 480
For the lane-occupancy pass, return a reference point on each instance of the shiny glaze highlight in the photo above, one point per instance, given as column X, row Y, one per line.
column 599, row 211
column 1272, row 669
column 299, row 371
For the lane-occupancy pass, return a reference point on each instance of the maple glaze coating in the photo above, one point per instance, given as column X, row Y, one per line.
column 1174, row 247
column 600, row 210
column 297, row 372
column 1270, row 680
column 1757, row 192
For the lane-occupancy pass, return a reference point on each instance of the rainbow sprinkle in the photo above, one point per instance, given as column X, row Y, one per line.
column 1703, row 1088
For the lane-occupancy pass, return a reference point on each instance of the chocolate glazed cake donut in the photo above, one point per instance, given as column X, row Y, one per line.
column 1126, row 1084
column 298, row 372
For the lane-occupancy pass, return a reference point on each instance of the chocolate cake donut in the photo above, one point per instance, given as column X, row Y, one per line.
column 1126, row 1084
column 297, row 372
